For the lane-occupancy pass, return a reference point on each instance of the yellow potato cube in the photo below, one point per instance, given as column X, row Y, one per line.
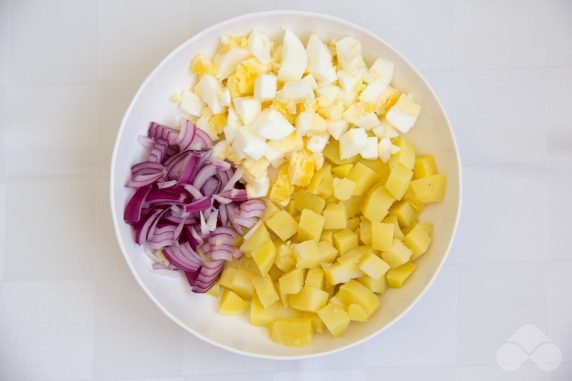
column 282, row 188
column 363, row 176
column 345, row 240
column 327, row 251
column 317, row 323
column 397, row 255
column 315, row 278
column 332, row 153
column 381, row 235
column 429, row 189
column 365, row 232
column 314, row 185
column 406, row 154
column 262, row 316
column 335, row 318
column 357, row 313
column 264, row 257
column 354, row 255
column 418, row 240
column 309, row 299
column 307, row 254
column 292, row 282
column 342, row 170
column 291, row 332
column 398, row 276
column 227, row 276
column 343, row 189
column 406, row 215
column 288, row 313
column 355, row 292
column 341, row 272
column 271, row 210
column 336, row 216
column 326, row 187
column 231, row 304
column 424, row 167
column 265, row 290
column 291, row 209
column 374, row 285
column 306, row 200
column 301, row 167
column 283, row 225
column 398, row 180
column 397, row 233
column 285, row 259
column 256, row 237
column 214, row 290
column 353, row 206
column 275, row 272
column 379, row 167
column 373, row 266
column 310, row 226
column 327, row 236
column 417, row 205
column 353, row 224
column 242, row 283
column 376, row 204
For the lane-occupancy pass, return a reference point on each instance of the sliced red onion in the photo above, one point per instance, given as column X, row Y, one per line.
column 186, row 135
column 147, row 165
column 208, row 276
column 142, row 231
column 221, row 200
column 221, row 165
column 145, row 141
column 183, row 260
column 212, row 220
column 201, row 141
column 204, row 227
column 159, row 131
column 232, row 181
column 235, row 194
column 211, row 187
column 132, row 213
column 193, row 191
column 166, row 184
column 203, row 175
column 198, row 205
column 144, row 180
column 246, row 222
column 222, row 214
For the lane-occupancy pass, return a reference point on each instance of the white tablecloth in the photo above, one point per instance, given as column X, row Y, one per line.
column 69, row 309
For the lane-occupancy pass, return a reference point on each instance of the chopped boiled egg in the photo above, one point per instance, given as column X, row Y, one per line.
column 191, row 103
column 373, row 92
column 210, row 90
column 310, row 123
column 348, row 51
column 384, row 130
column 301, row 167
column 352, row 142
column 241, row 82
column 337, row 127
column 328, row 94
column 320, row 60
column 296, row 91
column 232, row 118
column 386, row 149
column 370, row 151
column 260, row 46
column 227, row 62
column 219, row 149
column 382, row 70
column 294, row 58
column 350, row 83
column 287, row 145
column 403, row 114
column 249, row 144
column 265, row 87
column 256, row 168
column 317, row 143
column 271, row 124
column 258, row 187
column 202, row 65
column 247, row 108
column 310, row 80
column 230, row 131
column 369, row 121
column 362, row 115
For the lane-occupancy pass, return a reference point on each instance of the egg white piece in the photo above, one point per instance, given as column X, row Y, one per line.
column 294, row 58
column 227, row 62
column 382, row 70
column 219, row 149
column 320, row 60
column 247, row 108
column 258, row 187
column 260, row 46
column 386, row 149
column 352, row 142
column 310, row 80
column 373, row 92
column 191, row 103
column 272, row 125
column 265, row 87
column 384, row 130
column 348, row 50
column 349, row 82
column 230, row 131
column 317, row 143
column 210, row 89
column 296, row 91
column 369, row 121
column 249, row 144
column 328, row 94
column 337, row 127
column 371, row 149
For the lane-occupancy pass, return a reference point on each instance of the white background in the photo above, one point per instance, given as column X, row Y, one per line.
column 69, row 309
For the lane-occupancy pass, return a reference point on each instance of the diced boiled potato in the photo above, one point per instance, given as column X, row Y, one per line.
column 246, row 263
column 379, row 167
column 310, row 226
column 332, row 153
column 363, row 176
column 289, row 313
column 365, row 232
column 397, row 255
column 429, row 189
column 398, row 276
column 327, row 236
column 308, row 254
column 343, row 189
column 353, row 224
column 354, row 255
column 242, row 283
column 417, row 205
column 291, row 209
column 327, row 251
column 231, row 303
column 262, row 316
column 381, row 235
column 373, row 266
column 345, row 240
column 335, row 216
column 335, row 318
column 353, row 206
column 292, row 332
column 374, row 285
column 306, row 200
column 271, row 209
column 283, row 225
column 406, row 215
column 309, row 299
column 376, row 204
column 342, row 272
column 357, row 313
column 227, row 276
column 317, row 323
column 275, row 272
column 265, row 290
column 285, row 259
column 292, row 282
column 406, row 154
column 342, row 170
column 355, row 292
column 418, row 240
column 264, row 257
column 424, row 166
column 314, row 185
column 398, row 180
column 214, row 290
column 314, row 278
column 257, row 238
column 326, row 187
